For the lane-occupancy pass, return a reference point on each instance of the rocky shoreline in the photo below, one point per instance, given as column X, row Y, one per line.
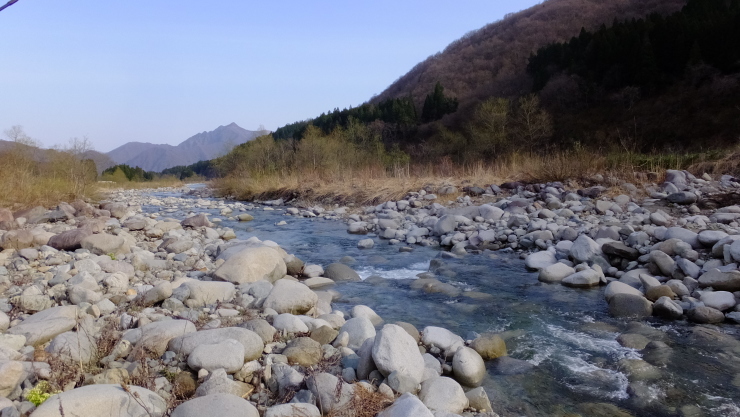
column 110, row 308
column 106, row 310
column 658, row 255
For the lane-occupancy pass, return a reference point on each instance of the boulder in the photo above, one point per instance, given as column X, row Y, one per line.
column 616, row 287
column 341, row 272
column 303, row 351
column 359, row 329
column 203, row 293
column 227, row 354
column 45, row 325
column 368, row 313
column 442, row 338
column 540, row 260
column 219, row 383
column 489, row 346
column 104, row 244
column 721, row 300
column 443, row 394
column 683, row 198
column 555, row 273
column 468, row 367
column 289, row 323
column 683, row 234
column 584, row 249
column 407, row 405
column 478, row 399
column 394, row 350
column 104, row 400
column 293, row 410
column 252, row 264
column 630, row 306
column 706, row 315
column 584, row 279
column 722, row 281
column 251, row 341
column 77, row 346
column 154, row 337
column 12, row 374
column 221, row 405
column 70, row 240
column 199, row 220
column 291, row 297
column 331, row 393
column 16, row 239
column 620, row 250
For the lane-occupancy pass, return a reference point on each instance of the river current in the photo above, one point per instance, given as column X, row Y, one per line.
column 565, row 335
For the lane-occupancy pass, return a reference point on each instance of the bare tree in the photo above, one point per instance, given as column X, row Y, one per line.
column 8, row 4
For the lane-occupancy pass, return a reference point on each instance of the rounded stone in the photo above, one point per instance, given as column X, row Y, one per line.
column 468, row 367
column 222, row 405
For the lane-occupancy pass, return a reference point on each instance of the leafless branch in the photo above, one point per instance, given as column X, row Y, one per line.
column 8, row 4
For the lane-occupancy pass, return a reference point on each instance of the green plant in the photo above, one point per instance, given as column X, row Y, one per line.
column 40, row 393
column 112, row 256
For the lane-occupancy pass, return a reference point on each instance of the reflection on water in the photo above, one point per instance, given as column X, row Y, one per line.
column 566, row 333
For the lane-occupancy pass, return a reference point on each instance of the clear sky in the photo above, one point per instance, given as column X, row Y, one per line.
column 161, row 71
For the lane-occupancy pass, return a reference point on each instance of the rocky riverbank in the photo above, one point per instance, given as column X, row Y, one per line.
column 105, row 310
column 669, row 250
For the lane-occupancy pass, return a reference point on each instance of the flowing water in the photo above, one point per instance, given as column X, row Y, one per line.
column 566, row 335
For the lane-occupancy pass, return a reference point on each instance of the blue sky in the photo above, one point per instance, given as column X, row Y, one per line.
column 161, row 71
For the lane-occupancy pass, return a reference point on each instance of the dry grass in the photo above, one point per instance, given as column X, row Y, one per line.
column 363, row 404
column 373, row 186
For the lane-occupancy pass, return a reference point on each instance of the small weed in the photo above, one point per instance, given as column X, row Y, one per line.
column 40, row 393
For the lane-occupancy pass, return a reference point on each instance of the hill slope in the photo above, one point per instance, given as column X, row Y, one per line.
column 200, row 147
column 493, row 60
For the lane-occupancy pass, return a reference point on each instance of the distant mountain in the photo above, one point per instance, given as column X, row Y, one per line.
column 201, row 147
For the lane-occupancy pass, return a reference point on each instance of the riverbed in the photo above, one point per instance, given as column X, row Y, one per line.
column 565, row 335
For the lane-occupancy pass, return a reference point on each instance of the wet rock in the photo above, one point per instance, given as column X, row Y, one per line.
column 620, row 250
column 633, row 340
column 478, row 399
column 104, row 400
column 410, row 329
column 489, row 346
column 468, row 367
column 540, row 260
column 555, row 273
column 630, row 306
column 706, row 315
column 616, row 287
column 341, row 272
column 506, row 365
column 222, row 405
column 638, row 370
column 667, row 308
column 584, row 279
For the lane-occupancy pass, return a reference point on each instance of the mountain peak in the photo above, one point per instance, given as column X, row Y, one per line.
column 200, row 147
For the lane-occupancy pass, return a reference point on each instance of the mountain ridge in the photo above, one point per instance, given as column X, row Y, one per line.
column 202, row 146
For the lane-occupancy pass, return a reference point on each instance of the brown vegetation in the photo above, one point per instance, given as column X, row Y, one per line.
column 492, row 61
column 31, row 176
